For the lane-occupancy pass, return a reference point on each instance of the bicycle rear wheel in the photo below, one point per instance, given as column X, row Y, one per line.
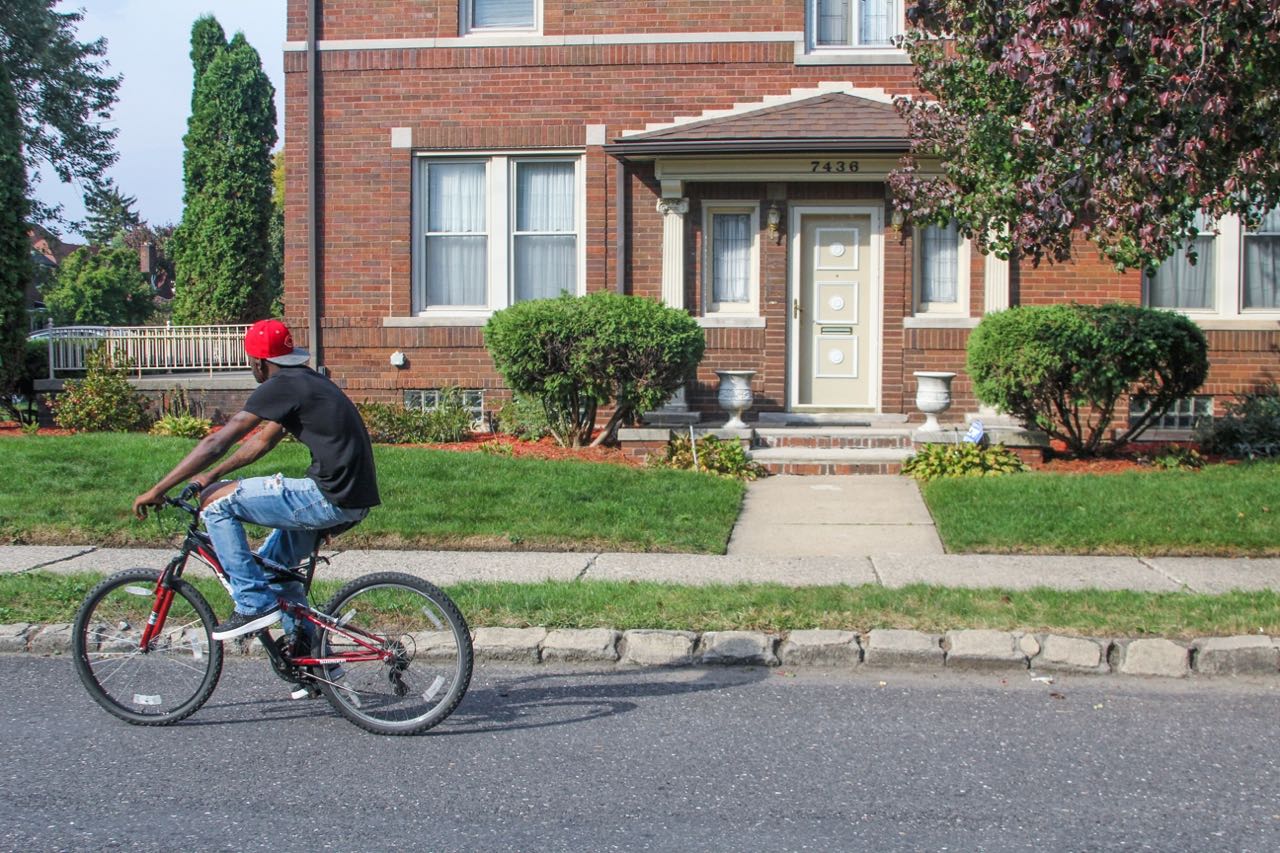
column 405, row 650
column 154, row 686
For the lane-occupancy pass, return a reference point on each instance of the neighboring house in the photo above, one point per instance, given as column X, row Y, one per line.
column 728, row 159
column 47, row 252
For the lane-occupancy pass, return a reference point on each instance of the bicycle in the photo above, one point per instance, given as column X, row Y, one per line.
column 392, row 652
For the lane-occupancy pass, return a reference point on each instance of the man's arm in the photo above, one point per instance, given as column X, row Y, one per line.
column 258, row 446
column 210, row 449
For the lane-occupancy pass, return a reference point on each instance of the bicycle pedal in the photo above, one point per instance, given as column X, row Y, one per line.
column 305, row 692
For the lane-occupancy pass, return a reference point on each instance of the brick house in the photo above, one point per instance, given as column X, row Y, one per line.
column 455, row 156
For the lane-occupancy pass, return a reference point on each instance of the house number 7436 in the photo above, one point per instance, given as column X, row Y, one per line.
column 836, row 166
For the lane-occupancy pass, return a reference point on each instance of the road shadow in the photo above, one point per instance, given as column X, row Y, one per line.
column 534, row 700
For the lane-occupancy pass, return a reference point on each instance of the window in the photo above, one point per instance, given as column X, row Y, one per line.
column 1180, row 284
column 1236, row 276
column 942, row 270
column 1183, row 414
column 835, row 24
column 497, row 15
column 1262, row 264
column 731, row 258
column 495, row 231
column 545, row 242
column 428, row 400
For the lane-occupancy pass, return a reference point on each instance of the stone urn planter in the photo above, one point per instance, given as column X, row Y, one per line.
column 933, row 396
column 734, row 395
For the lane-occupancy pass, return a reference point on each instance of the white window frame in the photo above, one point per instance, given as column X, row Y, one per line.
column 855, row 24
column 959, row 308
column 1228, row 280
column 466, row 27
column 500, row 227
column 750, row 308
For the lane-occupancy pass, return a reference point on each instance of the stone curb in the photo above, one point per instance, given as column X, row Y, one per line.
column 982, row 650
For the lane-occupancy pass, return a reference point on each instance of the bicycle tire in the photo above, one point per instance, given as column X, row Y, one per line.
column 173, row 677
column 433, row 660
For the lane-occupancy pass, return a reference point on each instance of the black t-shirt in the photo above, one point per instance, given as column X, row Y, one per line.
column 316, row 412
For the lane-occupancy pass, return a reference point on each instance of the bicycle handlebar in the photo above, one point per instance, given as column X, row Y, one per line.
column 181, row 501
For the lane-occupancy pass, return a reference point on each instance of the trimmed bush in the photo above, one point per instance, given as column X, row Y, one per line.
column 103, row 401
column 933, row 461
column 1063, row 368
column 1249, row 427
column 577, row 353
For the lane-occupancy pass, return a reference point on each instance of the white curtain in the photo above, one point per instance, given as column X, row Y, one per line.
column 456, row 244
column 939, row 264
column 1179, row 284
column 545, row 261
column 831, row 21
column 500, row 14
column 877, row 24
column 1262, row 263
column 730, row 257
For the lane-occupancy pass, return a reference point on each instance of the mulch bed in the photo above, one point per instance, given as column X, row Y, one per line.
column 1139, row 457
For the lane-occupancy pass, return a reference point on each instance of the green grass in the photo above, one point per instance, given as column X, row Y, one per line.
column 1224, row 510
column 80, row 489
column 41, row 597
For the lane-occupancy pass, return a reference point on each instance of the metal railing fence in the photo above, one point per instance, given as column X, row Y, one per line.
column 149, row 349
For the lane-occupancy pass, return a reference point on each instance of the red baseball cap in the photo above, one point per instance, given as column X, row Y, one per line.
column 272, row 340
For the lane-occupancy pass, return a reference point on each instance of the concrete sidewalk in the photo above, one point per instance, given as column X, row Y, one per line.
column 796, row 531
column 1152, row 574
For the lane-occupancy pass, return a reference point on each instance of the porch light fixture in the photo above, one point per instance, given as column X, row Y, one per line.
column 774, row 219
column 897, row 219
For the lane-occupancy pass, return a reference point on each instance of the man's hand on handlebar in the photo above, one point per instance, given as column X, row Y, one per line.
column 146, row 499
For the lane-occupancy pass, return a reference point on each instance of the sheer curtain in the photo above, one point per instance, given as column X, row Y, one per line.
column 545, row 261
column 1262, row 263
column 1180, row 284
column 939, row 264
column 501, row 14
column 831, row 23
column 730, row 257
column 456, row 247
column 877, row 24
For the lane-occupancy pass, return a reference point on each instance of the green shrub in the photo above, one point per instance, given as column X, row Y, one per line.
column 576, row 353
column 723, row 458
column 103, row 401
column 524, row 418
column 182, row 426
column 20, row 397
column 1249, row 427
column 933, row 461
column 1063, row 368
column 1178, row 458
column 392, row 423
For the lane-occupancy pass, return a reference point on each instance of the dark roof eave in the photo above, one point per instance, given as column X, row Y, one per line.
column 883, row 145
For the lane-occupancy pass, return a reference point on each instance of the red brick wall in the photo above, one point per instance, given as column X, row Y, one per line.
column 516, row 98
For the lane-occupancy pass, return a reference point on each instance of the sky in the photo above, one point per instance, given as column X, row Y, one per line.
column 149, row 42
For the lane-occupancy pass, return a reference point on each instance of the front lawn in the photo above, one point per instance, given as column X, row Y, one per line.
column 79, row 490
column 1225, row 510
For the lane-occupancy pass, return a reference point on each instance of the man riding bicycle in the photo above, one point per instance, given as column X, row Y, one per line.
column 339, row 489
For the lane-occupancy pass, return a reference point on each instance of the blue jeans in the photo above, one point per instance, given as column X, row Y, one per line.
column 298, row 512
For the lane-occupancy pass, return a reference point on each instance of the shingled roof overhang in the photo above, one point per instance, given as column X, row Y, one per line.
column 831, row 123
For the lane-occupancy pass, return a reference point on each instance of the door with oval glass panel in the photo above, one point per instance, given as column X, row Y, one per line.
column 833, row 311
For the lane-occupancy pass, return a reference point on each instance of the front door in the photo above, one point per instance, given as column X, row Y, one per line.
column 833, row 311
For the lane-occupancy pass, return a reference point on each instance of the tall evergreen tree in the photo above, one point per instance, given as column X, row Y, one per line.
column 15, row 252
column 222, row 247
column 63, row 94
column 108, row 212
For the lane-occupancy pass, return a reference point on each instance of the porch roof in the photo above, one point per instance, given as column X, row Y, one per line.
column 829, row 122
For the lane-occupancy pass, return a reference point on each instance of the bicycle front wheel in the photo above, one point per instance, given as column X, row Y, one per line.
column 399, row 654
column 163, row 682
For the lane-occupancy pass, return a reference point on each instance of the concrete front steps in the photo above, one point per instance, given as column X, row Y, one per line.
column 815, row 450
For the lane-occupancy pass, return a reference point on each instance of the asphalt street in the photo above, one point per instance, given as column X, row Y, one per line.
column 689, row 759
